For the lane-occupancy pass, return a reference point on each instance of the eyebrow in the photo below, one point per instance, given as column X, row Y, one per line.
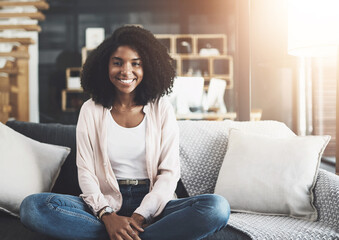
column 120, row 59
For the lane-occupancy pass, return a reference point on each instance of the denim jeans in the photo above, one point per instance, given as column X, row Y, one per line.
column 69, row 217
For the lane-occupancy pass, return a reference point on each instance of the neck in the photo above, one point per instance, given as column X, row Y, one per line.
column 124, row 101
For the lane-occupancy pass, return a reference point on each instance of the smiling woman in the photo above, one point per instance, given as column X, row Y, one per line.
column 127, row 154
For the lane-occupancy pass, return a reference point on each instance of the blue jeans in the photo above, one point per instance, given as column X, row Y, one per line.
column 69, row 217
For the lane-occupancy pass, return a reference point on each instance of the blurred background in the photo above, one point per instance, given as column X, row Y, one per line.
column 234, row 56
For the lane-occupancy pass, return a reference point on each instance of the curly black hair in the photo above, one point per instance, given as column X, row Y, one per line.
column 157, row 67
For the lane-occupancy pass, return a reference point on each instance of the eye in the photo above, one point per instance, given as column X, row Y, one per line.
column 117, row 63
column 136, row 64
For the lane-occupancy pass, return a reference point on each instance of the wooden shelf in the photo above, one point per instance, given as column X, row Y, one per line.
column 24, row 41
column 42, row 5
column 25, row 27
column 190, row 63
column 15, row 54
column 10, row 68
column 32, row 15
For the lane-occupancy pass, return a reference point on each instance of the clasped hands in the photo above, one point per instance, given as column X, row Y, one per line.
column 124, row 228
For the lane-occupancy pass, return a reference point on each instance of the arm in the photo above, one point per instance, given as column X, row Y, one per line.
column 88, row 181
column 167, row 168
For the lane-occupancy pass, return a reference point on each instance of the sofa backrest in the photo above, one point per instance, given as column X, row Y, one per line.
column 203, row 146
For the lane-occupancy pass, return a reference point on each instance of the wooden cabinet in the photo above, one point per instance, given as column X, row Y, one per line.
column 73, row 97
column 202, row 55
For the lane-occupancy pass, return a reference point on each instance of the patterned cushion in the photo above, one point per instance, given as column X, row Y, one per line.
column 202, row 150
column 276, row 227
column 203, row 147
column 327, row 198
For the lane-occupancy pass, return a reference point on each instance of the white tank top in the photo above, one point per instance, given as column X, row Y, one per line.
column 127, row 150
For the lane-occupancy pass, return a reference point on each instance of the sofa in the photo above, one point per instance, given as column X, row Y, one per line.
column 202, row 148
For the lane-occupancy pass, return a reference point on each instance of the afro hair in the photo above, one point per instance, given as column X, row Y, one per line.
column 157, row 67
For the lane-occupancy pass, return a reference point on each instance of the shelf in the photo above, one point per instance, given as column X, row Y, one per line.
column 73, row 78
column 207, row 116
column 15, row 54
column 32, row 15
column 24, row 41
column 188, row 62
column 21, row 27
column 42, row 5
column 72, row 100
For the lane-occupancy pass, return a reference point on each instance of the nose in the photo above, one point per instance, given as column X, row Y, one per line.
column 126, row 68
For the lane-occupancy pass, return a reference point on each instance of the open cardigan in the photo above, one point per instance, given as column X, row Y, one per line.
column 96, row 178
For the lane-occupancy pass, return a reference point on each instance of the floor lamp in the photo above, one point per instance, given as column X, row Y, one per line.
column 313, row 32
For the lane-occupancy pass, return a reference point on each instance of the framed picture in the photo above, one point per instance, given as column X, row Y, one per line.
column 94, row 36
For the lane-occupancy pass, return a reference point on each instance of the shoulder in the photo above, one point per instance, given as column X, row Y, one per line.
column 90, row 106
column 91, row 112
column 161, row 104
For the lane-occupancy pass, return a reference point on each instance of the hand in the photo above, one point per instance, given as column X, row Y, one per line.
column 140, row 220
column 121, row 228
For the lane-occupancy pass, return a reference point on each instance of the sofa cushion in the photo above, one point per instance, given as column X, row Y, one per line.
column 203, row 146
column 57, row 134
column 279, row 227
column 270, row 175
column 26, row 167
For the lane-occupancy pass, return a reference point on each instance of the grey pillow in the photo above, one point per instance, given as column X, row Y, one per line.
column 26, row 167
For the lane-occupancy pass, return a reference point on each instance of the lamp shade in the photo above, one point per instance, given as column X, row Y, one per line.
column 313, row 27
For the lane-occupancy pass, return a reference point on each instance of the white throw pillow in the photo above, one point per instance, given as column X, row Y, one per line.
column 26, row 167
column 270, row 175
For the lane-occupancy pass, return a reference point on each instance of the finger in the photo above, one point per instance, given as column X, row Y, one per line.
column 134, row 234
column 136, row 226
column 118, row 238
column 126, row 236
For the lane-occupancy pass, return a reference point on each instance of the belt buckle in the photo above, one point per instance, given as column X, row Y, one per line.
column 136, row 182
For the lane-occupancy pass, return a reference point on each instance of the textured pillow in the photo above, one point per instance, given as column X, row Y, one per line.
column 203, row 147
column 270, row 175
column 26, row 167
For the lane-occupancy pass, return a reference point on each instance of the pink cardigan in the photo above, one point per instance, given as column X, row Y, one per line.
column 96, row 178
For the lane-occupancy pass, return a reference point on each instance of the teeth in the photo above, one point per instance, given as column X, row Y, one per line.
column 127, row 81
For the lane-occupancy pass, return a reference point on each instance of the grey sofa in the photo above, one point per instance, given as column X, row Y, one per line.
column 212, row 136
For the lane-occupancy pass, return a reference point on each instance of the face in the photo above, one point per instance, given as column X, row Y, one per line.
column 125, row 70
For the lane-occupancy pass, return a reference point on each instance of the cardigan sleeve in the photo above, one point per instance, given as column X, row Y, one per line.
column 88, row 181
column 168, row 168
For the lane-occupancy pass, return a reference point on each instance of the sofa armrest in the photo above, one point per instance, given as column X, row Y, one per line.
column 327, row 198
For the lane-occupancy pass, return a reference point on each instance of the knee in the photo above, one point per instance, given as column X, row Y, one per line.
column 29, row 208
column 220, row 209
column 26, row 208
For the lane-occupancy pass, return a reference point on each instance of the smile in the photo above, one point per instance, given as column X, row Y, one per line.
column 127, row 81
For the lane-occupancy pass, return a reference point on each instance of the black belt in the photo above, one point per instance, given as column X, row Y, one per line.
column 133, row 182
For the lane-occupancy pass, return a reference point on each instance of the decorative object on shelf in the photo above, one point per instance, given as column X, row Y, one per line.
column 94, row 36
column 185, row 47
column 209, row 51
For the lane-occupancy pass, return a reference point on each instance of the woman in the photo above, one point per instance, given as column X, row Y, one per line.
column 127, row 154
